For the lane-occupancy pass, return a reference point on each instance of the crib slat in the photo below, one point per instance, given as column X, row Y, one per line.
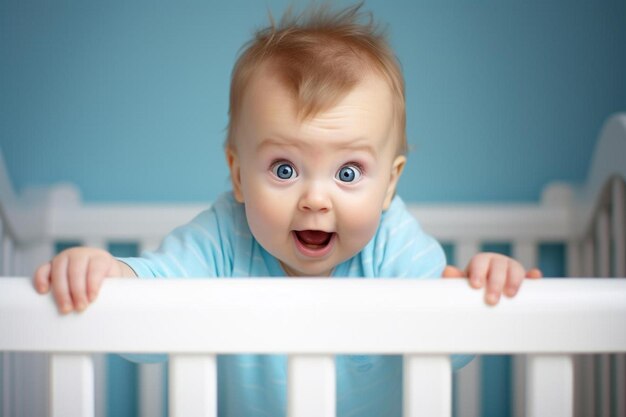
column 468, row 380
column 589, row 385
column 603, row 239
column 427, row 386
column 100, row 382
column 149, row 244
column 588, row 257
column 587, row 382
column 7, row 255
column 151, row 380
column 464, row 252
column 519, row 385
column 618, row 223
column 603, row 395
column 526, row 253
column 620, row 385
column 311, row 390
column 550, row 385
column 3, row 260
column 95, row 242
column 468, row 389
column 5, row 376
column 193, row 386
column 579, row 393
column 618, row 226
column 574, row 259
column 72, row 385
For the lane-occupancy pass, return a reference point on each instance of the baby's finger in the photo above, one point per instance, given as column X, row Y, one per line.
column 496, row 280
column 534, row 273
column 452, row 272
column 515, row 278
column 477, row 272
column 42, row 278
column 60, row 288
column 96, row 272
column 77, row 278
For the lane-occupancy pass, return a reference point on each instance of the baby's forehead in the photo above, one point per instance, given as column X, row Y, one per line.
column 270, row 110
column 311, row 98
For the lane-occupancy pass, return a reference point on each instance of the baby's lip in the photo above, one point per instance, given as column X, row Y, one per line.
column 313, row 238
column 314, row 243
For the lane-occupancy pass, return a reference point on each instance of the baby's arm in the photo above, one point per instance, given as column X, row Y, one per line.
column 75, row 276
column 498, row 273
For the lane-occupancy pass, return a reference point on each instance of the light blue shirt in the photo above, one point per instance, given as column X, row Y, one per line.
column 218, row 243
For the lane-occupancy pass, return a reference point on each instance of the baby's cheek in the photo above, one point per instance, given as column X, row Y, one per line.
column 360, row 224
column 261, row 220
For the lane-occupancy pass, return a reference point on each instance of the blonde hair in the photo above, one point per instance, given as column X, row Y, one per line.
column 320, row 56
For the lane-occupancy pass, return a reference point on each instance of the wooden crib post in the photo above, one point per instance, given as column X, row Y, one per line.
column 618, row 222
column 151, row 384
column 549, row 386
column 8, row 255
column 99, row 359
column 603, row 242
column 311, row 386
column 468, row 380
column 2, row 262
column 427, row 386
column 526, row 252
column 72, row 385
column 193, row 386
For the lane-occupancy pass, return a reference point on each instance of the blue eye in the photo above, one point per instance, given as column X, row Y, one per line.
column 284, row 171
column 349, row 173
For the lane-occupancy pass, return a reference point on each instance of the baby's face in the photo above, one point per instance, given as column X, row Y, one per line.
column 314, row 189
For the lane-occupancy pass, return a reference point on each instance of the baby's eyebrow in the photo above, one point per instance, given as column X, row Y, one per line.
column 267, row 142
column 358, row 144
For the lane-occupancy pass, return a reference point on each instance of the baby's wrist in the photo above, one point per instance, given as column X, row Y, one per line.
column 125, row 270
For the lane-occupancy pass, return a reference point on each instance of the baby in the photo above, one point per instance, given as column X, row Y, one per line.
column 316, row 145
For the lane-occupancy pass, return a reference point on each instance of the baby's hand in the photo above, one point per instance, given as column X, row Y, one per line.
column 75, row 276
column 499, row 272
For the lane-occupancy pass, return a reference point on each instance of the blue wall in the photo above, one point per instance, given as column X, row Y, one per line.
column 129, row 101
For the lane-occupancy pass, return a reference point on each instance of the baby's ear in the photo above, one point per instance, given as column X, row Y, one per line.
column 396, row 171
column 235, row 172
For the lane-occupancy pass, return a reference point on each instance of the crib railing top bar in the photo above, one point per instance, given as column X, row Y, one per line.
column 447, row 222
column 505, row 222
column 319, row 316
column 123, row 221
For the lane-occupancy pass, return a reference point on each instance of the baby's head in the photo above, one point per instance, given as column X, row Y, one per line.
column 316, row 138
column 319, row 57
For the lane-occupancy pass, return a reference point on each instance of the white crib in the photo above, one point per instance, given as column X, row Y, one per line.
column 53, row 364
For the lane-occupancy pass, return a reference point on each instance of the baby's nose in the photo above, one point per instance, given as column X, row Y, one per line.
column 315, row 198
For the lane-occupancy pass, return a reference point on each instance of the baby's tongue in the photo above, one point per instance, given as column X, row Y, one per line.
column 313, row 237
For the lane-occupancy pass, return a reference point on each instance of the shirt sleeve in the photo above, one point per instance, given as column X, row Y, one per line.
column 201, row 248
column 403, row 250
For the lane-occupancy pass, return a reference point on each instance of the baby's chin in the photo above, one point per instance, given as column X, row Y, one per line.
column 320, row 271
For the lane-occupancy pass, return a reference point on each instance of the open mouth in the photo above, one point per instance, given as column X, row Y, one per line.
column 313, row 243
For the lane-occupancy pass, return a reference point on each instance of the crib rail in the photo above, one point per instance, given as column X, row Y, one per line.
column 319, row 316
column 311, row 320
